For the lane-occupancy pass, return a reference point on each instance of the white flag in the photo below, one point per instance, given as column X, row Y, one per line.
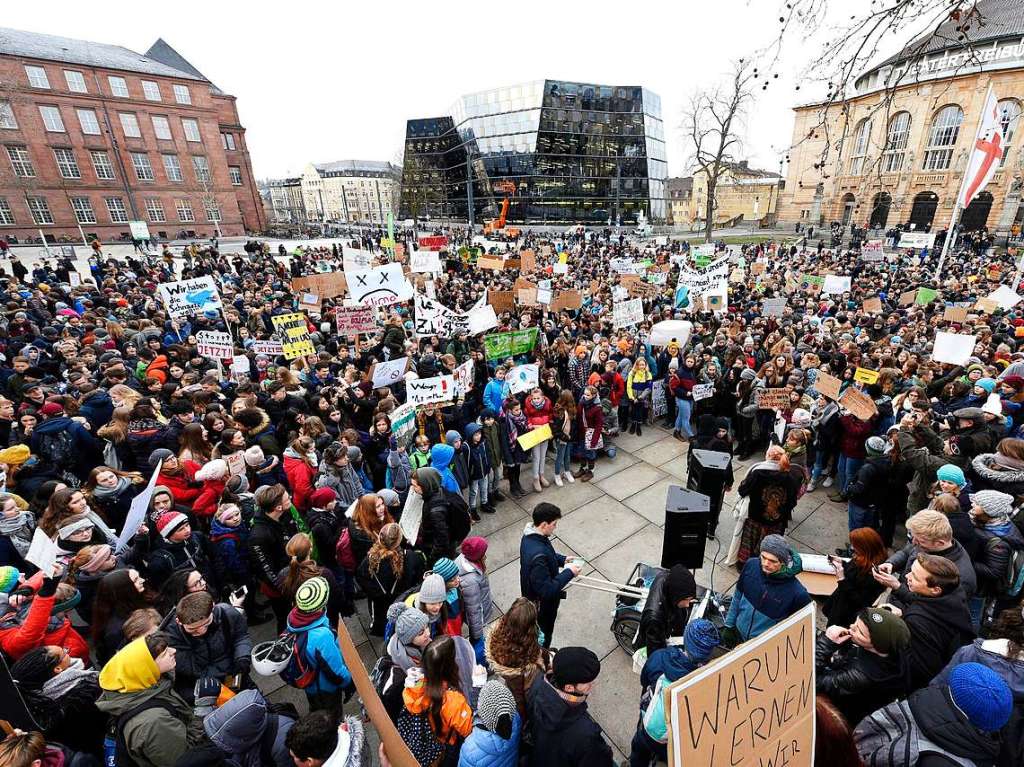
column 986, row 153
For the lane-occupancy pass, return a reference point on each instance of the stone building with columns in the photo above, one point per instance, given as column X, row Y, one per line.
column 895, row 151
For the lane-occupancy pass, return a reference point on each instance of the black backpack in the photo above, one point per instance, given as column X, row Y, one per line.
column 389, row 682
column 58, row 449
column 459, row 522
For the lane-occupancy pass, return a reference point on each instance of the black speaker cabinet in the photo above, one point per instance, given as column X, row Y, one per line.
column 686, row 522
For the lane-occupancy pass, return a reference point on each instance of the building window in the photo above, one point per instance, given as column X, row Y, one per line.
column 212, row 212
column 228, row 140
column 52, row 119
column 21, row 162
column 66, row 163
column 130, row 125
column 6, row 214
column 118, row 86
column 155, row 211
column 84, row 213
column 37, row 77
column 1009, row 116
column 861, row 139
column 143, row 168
column 236, row 175
column 40, row 210
column 7, row 119
column 172, row 167
column 116, row 209
column 75, row 81
column 151, row 90
column 185, row 214
column 181, row 94
column 202, row 169
column 162, row 128
column 101, row 163
column 87, row 121
column 896, row 141
column 191, row 128
column 943, row 136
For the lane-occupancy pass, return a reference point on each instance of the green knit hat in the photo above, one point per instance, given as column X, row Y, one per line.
column 312, row 595
column 9, row 577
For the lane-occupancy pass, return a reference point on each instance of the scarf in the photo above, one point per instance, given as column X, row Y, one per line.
column 102, row 554
column 298, row 619
column 99, row 492
column 59, row 685
column 517, row 426
column 19, row 529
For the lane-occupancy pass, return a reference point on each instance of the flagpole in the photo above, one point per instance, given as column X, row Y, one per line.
column 957, row 210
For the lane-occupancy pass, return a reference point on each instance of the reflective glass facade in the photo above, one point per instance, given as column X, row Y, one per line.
column 560, row 152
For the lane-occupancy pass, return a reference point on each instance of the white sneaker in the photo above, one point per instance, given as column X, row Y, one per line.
column 568, row 477
column 827, row 482
column 812, row 486
column 558, row 480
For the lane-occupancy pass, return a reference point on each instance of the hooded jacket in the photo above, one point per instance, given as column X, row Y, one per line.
column 992, row 563
column 479, row 453
column 476, row 597
column 456, row 715
column 484, row 748
column 762, row 600
column 87, row 449
column 987, row 474
column 939, row 626
column 300, row 478
column 223, row 650
column 244, row 731
column 441, row 457
column 660, row 618
column 565, row 735
column 322, row 653
column 994, row 654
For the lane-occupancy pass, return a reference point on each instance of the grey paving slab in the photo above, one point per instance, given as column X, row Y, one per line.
column 594, row 528
column 650, row 502
column 507, row 513
column 503, row 544
column 632, row 480
column 505, row 585
column 642, row 546
column 823, row 530
column 614, row 701
column 567, row 498
column 631, row 442
column 606, row 467
column 676, row 467
column 662, row 451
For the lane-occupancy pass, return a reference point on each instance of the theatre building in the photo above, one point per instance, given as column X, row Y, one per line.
column 94, row 136
column 897, row 156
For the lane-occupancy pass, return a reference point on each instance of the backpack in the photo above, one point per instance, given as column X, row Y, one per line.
column 389, row 681
column 459, row 522
column 343, row 552
column 399, row 471
column 57, row 448
column 298, row 673
column 417, row 735
column 122, row 757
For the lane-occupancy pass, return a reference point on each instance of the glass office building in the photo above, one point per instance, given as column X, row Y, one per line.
column 560, row 152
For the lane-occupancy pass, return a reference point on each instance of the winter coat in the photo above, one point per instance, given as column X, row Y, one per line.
column 541, row 577
column 267, row 555
column 904, row 559
column 518, row 678
column 494, row 395
column 230, row 558
column 484, row 748
column 144, row 436
column 986, row 474
column 155, row 737
column 772, row 492
column 991, row 653
column 512, row 452
column 436, row 534
column 853, row 432
column 342, row 480
column 71, row 718
column 992, row 564
column 858, row 589
column 384, row 583
column 300, row 479
column 476, row 597
column 492, row 437
column 194, row 553
column 479, row 453
column 325, row 527
column 323, row 654
column 243, row 730
column 537, row 415
column 441, row 457
column 939, row 626
column 564, row 735
column 591, row 417
column 182, row 484
column 456, row 715
column 32, row 626
column 660, row 619
column 205, row 505
column 856, row 680
column 220, row 652
column 87, row 449
column 762, row 600
column 868, row 488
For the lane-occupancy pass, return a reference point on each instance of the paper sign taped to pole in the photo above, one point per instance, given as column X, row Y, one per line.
column 953, row 348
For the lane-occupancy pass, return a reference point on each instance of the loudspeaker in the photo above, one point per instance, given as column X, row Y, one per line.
column 686, row 522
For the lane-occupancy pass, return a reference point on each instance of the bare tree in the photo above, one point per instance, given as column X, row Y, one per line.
column 712, row 123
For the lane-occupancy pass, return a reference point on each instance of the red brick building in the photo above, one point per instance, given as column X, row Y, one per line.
column 93, row 136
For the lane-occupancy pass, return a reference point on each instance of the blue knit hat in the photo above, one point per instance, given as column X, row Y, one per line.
column 451, row 437
column 8, row 578
column 988, row 384
column 951, row 473
column 700, row 638
column 446, row 568
column 982, row 695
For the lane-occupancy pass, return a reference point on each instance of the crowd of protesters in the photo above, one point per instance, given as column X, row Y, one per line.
column 279, row 493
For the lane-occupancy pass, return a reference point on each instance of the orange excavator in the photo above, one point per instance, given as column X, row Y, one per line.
column 496, row 224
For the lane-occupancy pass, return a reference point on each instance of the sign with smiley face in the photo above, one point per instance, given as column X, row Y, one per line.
column 383, row 286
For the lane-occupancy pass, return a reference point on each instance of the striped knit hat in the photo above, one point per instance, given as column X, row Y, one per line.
column 446, row 568
column 312, row 595
column 496, row 701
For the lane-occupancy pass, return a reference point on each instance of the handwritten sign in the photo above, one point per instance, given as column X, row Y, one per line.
column 434, row 242
column 353, row 320
column 828, row 385
column 494, row 263
column 425, row 261
column 215, row 345
column 386, row 373
column 294, row 332
column 773, row 399
column 464, row 377
column 873, row 305
column 567, row 299
column 872, row 251
column 527, row 261
column 426, row 391
column 627, row 313
column 325, row 285
column 382, row 286
column 955, row 313
column 188, row 298
column 703, row 391
column 858, row 403
column 523, row 378
column 865, row 376
column 502, row 300
column 834, row 284
column 270, row 348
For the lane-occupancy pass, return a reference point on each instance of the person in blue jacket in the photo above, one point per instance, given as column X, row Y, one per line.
column 441, row 457
column 543, row 572
column 333, row 683
column 496, row 390
column 494, row 741
column 766, row 593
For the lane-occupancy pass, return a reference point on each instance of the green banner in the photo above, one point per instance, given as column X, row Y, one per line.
column 925, row 296
column 499, row 346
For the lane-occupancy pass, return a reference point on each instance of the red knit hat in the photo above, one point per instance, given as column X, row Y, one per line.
column 321, row 497
column 170, row 521
column 474, row 548
column 51, row 409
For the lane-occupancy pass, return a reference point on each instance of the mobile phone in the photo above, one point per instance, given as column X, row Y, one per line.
column 240, row 592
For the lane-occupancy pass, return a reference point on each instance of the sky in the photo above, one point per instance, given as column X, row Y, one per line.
column 318, row 82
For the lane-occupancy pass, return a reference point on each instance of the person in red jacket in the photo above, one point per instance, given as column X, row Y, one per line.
column 300, row 466
column 853, row 432
column 43, row 621
column 177, row 476
column 214, row 475
column 591, row 425
column 538, row 415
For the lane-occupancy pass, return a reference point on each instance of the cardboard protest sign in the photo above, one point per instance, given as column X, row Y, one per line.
column 703, row 391
column 836, row 285
column 526, row 297
column 534, row 437
column 464, row 377
column 828, row 385
column 751, row 707
column 953, row 348
column 188, row 298
column 906, row 299
column 325, row 285
column 384, row 374
column 865, row 376
column 544, row 296
column 270, row 348
column 523, row 284
column 294, row 332
column 627, row 313
column 737, row 276
column 310, row 303
column 873, row 305
column 399, row 252
column 426, row 391
column 642, row 289
column 527, row 261
column 382, row 286
column 773, row 399
column 567, row 299
column 858, row 403
column 495, row 263
column 502, row 300
column 758, row 267
column 215, row 345
column 986, row 305
column 955, row 313
column 353, row 320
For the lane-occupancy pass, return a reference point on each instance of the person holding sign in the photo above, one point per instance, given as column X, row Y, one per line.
column 538, row 415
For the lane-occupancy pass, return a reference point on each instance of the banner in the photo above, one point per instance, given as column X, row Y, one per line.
column 270, row 348
column 628, row 313
column 434, row 242
column 499, row 346
column 426, row 391
column 713, row 279
column 916, row 239
column 353, row 320
column 987, row 153
column 386, row 373
column 188, row 298
column 294, row 332
column 752, row 707
column 382, row 286
column 215, row 345
column 432, row 318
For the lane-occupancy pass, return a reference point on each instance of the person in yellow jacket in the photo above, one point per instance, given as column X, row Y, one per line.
column 436, row 695
column 639, row 384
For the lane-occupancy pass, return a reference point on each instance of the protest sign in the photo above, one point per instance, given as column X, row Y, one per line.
column 567, row 299
column 426, row 391
column 502, row 300
column 737, row 276
column 1005, row 297
column 425, row 261
column 865, row 376
column 906, row 299
column 953, row 348
column 137, row 511
column 752, row 707
column 399, row 252
column 986, row 306
column 310, row 303
column 403, row 423
column 873, row 305
column 533, row 437
column 270, row 348
column 495, row 263
column 925, row 296
column 916, row 240
column 872, row 251
column 434, row 318
column 464, row 377
column 703, row 391
column 236, row 463
column 835, row 285
column 522, row 284
column 384, row 374
column 499, row 346
column 42, row 551
column 659, row 405
column 544, row 296
column 382, row 286
column 858, row 403
column 626, row 266
column 955, row 313
column 562, row 269
column 628, row 313
column 758, row 267
column 294, row 332
column 712, row 279
column 522, row 378
column 412, row 516
column 188, row 298
column 828, row 385
column 353, row 320
column 215, row 345
column 434, row 242
column 325, row 285
column 355, row 260
column 773, row 399
column 240, row 366
column 527, row 261
column 773, row 307
column 481, row 319
column 812, row 283
column 526, row 296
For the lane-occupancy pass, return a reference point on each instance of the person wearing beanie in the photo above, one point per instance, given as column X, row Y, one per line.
column 564, row 733
column 253, row 457
column 213, row 475
column 316, row 640
column 177, row 476
column 954, row 722
column 864, row 666
column 494, row 741
column 663, row 667
column 767, row 592
column 9, row 579
column 460, row 458
column 667, row 608
column 179, row 546
column 475, row 589
column 449, row 573
column 1000, row 541
column 432, row 599
column 867, row 491
column 410, row 634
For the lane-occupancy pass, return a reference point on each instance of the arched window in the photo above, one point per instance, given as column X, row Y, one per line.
column 861, row 138
column 896, row 142
column 1009, row 117
column 943, row 136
